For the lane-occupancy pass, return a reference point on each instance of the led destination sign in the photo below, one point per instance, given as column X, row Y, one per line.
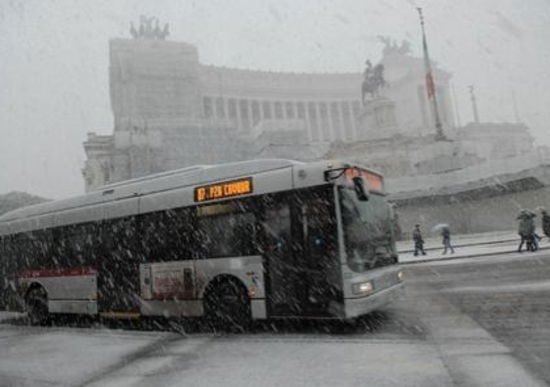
column 223, row 190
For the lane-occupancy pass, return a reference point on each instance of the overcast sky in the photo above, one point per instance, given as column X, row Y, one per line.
column 54, row 61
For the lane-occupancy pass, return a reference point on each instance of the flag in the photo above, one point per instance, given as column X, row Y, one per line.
column 430, row 85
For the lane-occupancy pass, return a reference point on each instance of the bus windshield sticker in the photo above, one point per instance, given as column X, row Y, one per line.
column 223, row 190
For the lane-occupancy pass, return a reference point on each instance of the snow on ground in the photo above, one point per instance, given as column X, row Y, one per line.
column 51, row 356
column 252, row 361
column 65, row 357
column 482, row 245
column 4, row 316
column 433, row 240
column 471, row 355
column 481, row 259
column 456, row 350
column 509, row 287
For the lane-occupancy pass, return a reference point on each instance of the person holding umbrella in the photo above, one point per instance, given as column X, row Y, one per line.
column 526, row 230
column 446, row 235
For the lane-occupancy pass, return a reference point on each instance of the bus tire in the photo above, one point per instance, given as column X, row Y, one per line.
column 37, row 306
column 227, row 306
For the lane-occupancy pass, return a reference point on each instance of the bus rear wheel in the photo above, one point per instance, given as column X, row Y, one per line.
column 227, row 306
column 37, row 306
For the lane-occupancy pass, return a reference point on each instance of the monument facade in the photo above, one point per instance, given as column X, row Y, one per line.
column 172, row 111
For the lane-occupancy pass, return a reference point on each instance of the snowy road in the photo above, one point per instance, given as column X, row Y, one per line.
column 507, row 296
column 467, row 322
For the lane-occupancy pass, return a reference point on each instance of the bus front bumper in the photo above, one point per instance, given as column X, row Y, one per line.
column 355, row 307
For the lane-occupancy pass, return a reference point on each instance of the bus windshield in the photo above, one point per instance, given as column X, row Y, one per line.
column 368, row 234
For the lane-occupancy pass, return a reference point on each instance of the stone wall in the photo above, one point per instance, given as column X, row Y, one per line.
column 492, row 213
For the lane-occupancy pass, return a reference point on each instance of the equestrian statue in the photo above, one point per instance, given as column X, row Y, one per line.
column 373, row 80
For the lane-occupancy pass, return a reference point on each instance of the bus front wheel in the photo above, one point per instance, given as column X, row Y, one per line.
column 227, row 306
column 37, row 306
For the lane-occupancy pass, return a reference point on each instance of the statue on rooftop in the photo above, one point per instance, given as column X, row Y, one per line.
column 391, row 46
column 147, row 31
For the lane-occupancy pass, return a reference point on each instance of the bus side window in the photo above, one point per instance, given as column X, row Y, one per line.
column 41, row 248
column 9, row 255
column 80, row 242
column 123, row 237
column 3, row 274
column 167, row 236
column 226, row 231
column 276, row 227
column 23, row 249
column 152, row 231
column 178, row 237
column 10, row 268
column 58, row 256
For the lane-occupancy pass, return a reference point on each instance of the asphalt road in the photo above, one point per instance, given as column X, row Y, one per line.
column 465, row 322
column 507, row 295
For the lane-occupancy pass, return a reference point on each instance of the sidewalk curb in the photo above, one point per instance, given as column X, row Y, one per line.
column 465, row 245
column 465, row 256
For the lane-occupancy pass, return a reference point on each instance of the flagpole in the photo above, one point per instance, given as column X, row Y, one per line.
column 430, row 84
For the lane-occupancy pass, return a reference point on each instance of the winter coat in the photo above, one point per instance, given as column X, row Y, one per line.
column 526, row 226
column 546, row 224
column 417, row 236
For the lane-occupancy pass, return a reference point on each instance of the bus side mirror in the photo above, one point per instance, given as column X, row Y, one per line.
column 360, row 190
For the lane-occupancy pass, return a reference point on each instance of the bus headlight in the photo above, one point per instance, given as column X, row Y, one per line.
column 362, row 288
column 400, row 275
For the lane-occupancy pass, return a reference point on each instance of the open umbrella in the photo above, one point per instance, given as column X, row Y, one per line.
column 440, row 226
column 526, row 214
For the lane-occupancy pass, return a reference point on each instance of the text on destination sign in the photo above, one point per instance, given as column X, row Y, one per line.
column 223, row 190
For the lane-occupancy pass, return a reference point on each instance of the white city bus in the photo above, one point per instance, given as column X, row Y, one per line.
column 235, row 242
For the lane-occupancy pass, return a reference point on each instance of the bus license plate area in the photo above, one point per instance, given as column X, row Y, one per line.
column 386, row 280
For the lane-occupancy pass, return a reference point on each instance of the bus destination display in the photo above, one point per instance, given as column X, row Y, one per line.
column 223, row 190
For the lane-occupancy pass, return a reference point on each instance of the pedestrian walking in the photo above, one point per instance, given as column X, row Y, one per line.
column 545, row 223
column 418, row 241
column 526, row 230
column 446, row 235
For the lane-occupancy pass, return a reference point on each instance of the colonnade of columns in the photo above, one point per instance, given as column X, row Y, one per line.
column 325, row 120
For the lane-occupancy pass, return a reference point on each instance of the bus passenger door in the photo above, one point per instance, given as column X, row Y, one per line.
column 118, row 268
column 281, row 275
column 315, row 245
column 301, row 255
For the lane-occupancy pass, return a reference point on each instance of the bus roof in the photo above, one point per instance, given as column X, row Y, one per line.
column 195, row 175
column 130, row 190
